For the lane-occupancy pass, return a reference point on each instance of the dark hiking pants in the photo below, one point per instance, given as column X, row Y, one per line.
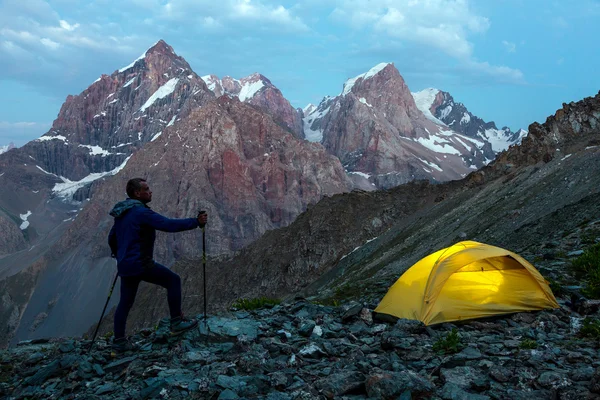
column 158, row 275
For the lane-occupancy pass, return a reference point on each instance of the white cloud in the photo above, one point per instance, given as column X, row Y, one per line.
column 441, row 25
column 68, row 27
column 260, row 15
column 509, row 46
column 50, row 43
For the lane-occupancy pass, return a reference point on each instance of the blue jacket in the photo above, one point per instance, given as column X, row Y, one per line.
column 132, row 236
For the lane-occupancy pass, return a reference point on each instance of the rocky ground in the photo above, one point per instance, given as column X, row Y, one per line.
column 303, row 350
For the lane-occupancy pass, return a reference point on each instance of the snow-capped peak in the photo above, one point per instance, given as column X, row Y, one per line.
column 249, row 89
column 424, row 100
column 4, row 149
column 310, row 107
column 145, row 53
column 349, row 84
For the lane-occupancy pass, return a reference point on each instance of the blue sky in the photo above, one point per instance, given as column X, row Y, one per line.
column 510, row 61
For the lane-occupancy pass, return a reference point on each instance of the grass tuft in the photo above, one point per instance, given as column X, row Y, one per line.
column 448, row 344
column 253, row 304
column 528, row 344
column 587, row 267
column 590, row 328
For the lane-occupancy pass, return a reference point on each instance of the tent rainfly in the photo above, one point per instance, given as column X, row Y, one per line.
column 464, row 281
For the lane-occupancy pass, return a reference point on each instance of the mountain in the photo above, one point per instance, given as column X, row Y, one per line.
column 93, row 137
column 156, row 119
column 441, row 108
column 539, row 198
column 4, row 149
column 260, row 92
column 383, row 139
column 357, row 244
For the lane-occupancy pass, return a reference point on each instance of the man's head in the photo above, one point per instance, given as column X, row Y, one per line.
column 138, row 189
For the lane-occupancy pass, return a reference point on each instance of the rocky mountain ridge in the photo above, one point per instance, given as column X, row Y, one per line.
column 384, row 138
column 257, row 90
column 253, row 176
column 362, row 241
column 5, row 148
column 440, row 107
column 265, row 181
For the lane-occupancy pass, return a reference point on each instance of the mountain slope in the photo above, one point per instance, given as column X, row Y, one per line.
column 360, row 242
column 383, row 139
column 440, row 107
column 227, row 158
column 257, row 90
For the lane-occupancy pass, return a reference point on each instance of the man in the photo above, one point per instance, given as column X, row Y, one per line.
column 131, row 241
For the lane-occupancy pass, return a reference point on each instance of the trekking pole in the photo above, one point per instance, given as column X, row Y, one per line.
column 204, row 266
column 103, row 310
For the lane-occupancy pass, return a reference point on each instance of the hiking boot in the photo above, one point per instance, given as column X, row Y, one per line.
column 180, row 325
column 122, row 345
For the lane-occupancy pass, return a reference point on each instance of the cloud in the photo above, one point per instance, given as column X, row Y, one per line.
column 20, row 133
column 509, row 46
column 439, row 25
column 50, row 43
column 68, row 27
column 232, row 15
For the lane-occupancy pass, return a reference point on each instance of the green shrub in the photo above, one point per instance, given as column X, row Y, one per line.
column 253, row 304
column 556, row 288
column 329, row 301
column 108, row 335
column 448, row 344
column 590, row 328
column 528, row 344
column 587, row 267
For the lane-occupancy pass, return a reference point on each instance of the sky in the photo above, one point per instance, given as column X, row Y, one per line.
column 513, row 62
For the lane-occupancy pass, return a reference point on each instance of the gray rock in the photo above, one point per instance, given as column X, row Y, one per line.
column 451, row 391
column 582, row 374
column 67, row 346
column 469, row 354
column 553, row 380
column 228, row 394
column 119, row 364
column 229, row 329
column 307, row 328
column 106, row 388
column 462, row 377
column 50, row 370
column 338, row 384
column 501, row 374
column 390, row 384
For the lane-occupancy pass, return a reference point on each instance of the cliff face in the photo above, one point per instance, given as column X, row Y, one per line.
column 257, row 90
column 98, row 129
column 382, row 137
column 228, row 158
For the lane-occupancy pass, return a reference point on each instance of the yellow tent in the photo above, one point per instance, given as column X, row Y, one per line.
column 464, row 281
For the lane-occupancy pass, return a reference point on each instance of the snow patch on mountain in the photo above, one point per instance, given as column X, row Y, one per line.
column 57, row 137
column 67, row 189
column 349, row 84
column 96, row 150
column 438, row 145
column 4, row 149
column 162, row 92
column 25, row 223
column 129, row 82
column 210, row 82
column 250, row 89
column 313, row 135
column 133, row 63
column 424, row 99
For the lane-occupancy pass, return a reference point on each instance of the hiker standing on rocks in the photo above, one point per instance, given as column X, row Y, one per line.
column 131, row 241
